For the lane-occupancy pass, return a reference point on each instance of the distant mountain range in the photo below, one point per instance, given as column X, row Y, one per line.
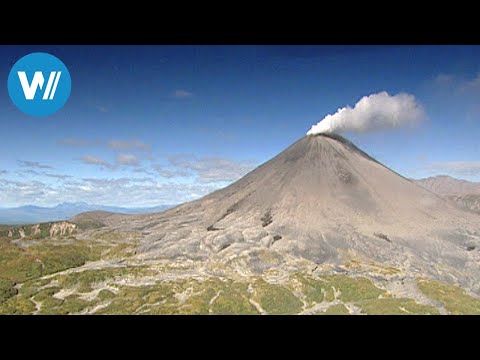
column 447, row 185
column 30, row 214
column 465, row 194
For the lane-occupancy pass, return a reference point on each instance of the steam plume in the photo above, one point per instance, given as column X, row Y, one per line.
column 373, row 112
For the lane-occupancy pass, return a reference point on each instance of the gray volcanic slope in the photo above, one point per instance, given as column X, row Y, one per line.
column 324, row 200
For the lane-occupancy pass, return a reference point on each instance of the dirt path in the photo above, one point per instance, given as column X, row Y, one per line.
column 38, row 305
column 93, row 265
column 257, row 306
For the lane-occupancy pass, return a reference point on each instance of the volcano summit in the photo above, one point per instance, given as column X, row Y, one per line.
column 323, row 200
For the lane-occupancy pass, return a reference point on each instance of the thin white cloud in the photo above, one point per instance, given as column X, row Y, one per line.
column 13, row 193
column 128, row 192
column 471, row 84
column 143, row 170
column 170, row 173
column 182, row 94
column 212, row 169
column 102, row 108
column 75, row 142
column 34, row 164
column 92, row 160
column 127, row 145
column 3, row 172
column 128, row 160
column 58, row 176
column 43, row 173
column 114, row 144
column 443, row 79
column 121, row 160
column 459, row 84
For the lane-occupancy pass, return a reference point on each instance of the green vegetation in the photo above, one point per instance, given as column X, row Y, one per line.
column 233, row 299
column 17, row 264
column 338, row 309
column 62, row 257
column 70, row 305
column 17, row 305
column 345, row 288
column 359, row 291
column 276, row 299
column 40, row 231
column 106, row 291
column 26, row 265
column 396, row 306
column 182, row 297
column 7, row 289
column 4, row 232
column 353, row 289
column 21, row 264
column 40, row 295
column 25, row 287
column 105, row 295
column 313, row 289
column 49, row 303
column 161, row 299
column 85, row 281
column 89, row 223
column 109, row 235
column 453, row 298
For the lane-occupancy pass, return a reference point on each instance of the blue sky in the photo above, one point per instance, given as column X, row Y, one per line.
column 148, row 125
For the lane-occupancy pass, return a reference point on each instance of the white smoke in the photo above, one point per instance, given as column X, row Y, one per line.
column 373, row 112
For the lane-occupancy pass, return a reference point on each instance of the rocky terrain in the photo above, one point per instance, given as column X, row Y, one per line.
column 38, row 231
column 322, row 228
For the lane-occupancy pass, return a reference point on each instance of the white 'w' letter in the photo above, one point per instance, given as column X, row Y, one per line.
column 38, row 80
column 30, row 90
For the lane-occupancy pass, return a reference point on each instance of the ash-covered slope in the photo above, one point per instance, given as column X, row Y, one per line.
column 324, row 200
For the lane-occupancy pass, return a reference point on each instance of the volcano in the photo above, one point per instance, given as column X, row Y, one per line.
column 323, row 200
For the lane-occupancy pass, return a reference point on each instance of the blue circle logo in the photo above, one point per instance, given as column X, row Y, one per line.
column 39, row 84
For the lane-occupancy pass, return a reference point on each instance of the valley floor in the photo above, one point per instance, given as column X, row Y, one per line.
column 105, row 276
